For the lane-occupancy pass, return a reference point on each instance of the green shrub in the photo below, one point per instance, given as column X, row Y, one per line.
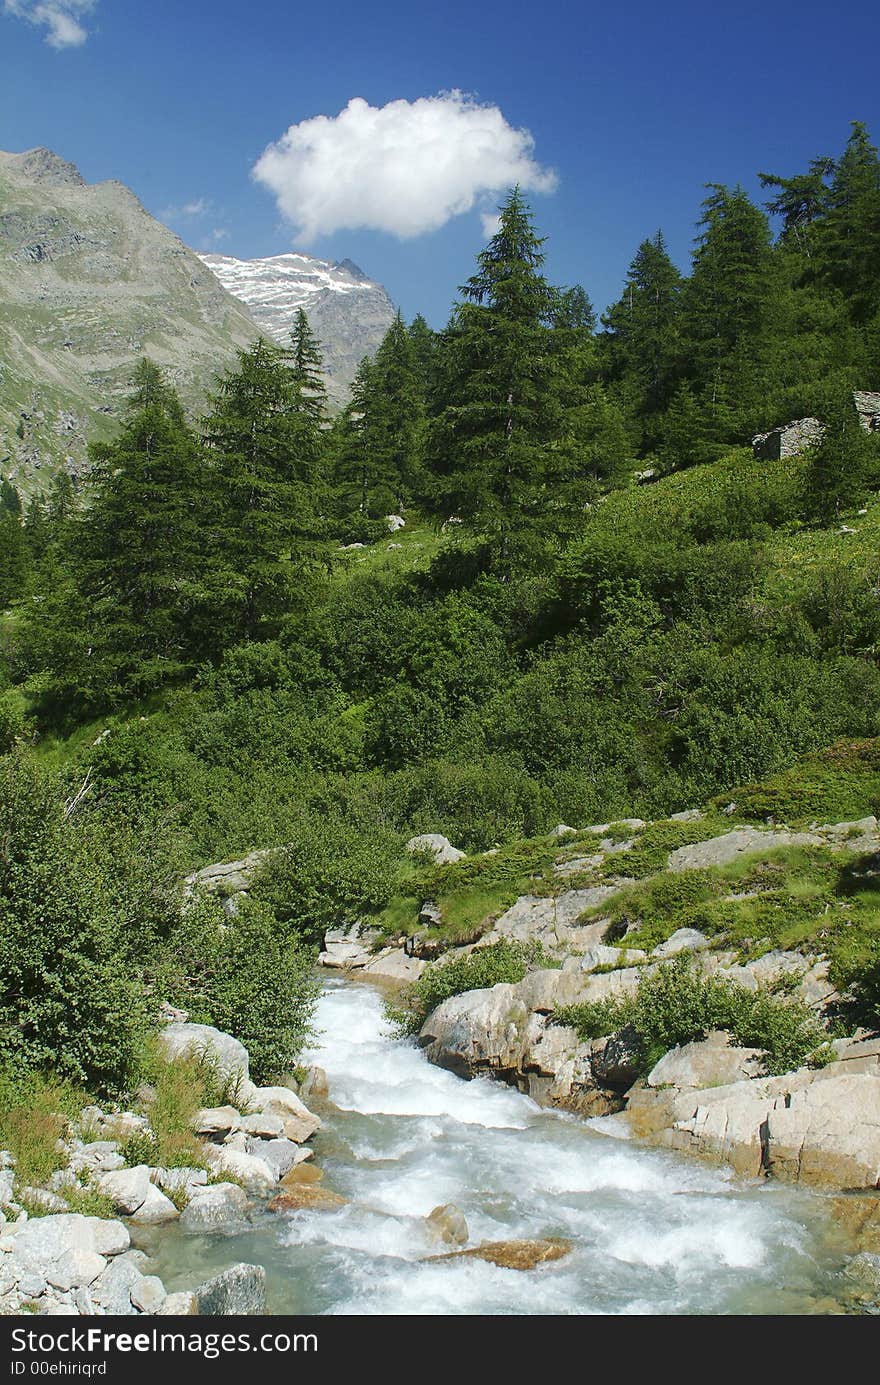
column 34, row 1113
column 249, row 976
column 485, row 966
column 332, row 874
column 676, row 1005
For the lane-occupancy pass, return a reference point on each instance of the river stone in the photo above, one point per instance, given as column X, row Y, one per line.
column 240, row 1290
column 710, row 1062
column 183, row 1303
column 394, row 965
column 301, row 1173
column 148, row 1294
column 343, row 956
column 215, row 1208
column 513, row 1255
column 184, row 1180
column 306, row 1196
column 263, row 1124
column 230, row 1056
column 75, row 1267
column 254, row 1173
column 112, row 1290
column 828, row 1134
column 615, row 1060
column 485, row 1028
column 280, row 1155
column 299, row 1122
column 448, row 1224
column 126, row 1188
column 47, row 1238
column 864, row 1270
column 315, row 1083
column 441, row 848
column 156, row 1209
column 216, row 1120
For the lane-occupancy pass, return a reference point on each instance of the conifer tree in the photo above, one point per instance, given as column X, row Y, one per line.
column 494, row 443
column 307, row 369
column 642, row 327
column 14, row 558
column 848, row 239
column 266, row 532
column 397, row 403
column 844, row 464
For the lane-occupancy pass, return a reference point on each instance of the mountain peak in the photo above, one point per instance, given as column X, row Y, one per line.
column 43, row 166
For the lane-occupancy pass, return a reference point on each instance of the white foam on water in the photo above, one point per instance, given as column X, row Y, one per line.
column 650, row 1232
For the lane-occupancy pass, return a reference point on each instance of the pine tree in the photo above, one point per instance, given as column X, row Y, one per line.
column 397, row 403
column 844, row 465
column 494, row 443
column 137, row 552
column 307, row 369
column 14, row 558
column 848, row 236
column 642, row 328
column 266, row 534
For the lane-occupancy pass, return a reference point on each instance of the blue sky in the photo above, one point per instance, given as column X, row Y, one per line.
column 633, row 107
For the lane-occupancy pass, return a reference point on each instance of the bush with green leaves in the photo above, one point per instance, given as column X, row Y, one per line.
column 83, row 902
column 249, row 976
column 485, row 966
column 677, row 1005
column 334, row 872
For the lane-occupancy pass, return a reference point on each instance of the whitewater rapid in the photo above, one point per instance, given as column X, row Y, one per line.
column 651, row 1232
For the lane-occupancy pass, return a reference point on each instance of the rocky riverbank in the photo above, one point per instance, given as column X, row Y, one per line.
column 251, row 1154
column 816, row 1126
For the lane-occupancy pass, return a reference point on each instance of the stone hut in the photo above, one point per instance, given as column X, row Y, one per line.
column 788, row 440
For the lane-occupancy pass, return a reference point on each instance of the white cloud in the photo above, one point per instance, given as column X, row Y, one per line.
column 214, row 237
column 405, row 168
column 60, row 18
column 491, row 223
column 198, row 207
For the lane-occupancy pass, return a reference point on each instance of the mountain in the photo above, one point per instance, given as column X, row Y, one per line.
column 348, row 312
column 90, row 282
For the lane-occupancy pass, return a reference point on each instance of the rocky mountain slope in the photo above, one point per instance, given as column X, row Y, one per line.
column 90, row 282
column 348, row 312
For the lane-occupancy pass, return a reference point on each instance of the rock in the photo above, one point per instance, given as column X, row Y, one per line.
column 395, row 522
column 344, row 955
column 448, row 1224
column 394, row 965
column 551, row 920
column 218, row 1207
column 615, row 1061
column 112, row 1291
column 688, row 815
column 179, row 1180
column 682, row 940
column 562, row 830
column 828, row 1134
column 238, row 1291
column 720, row 851
column 484, row 1028
column 178, row 1305
column 864, row 1270
column 263, row 1124
column 148, row 1294
column 315, row 1083
column 299, row 1122
column 602, row 956
column 227, row 877
column 858, row 1215
column 47, row 1238
column 306, row 1196
column 302, row 1173
column 255, row 1173
column 156, row 1209
column 230, row 1056
column 216, row 1120
column 280, row 1155
column 441, row 848
column 127, row 1188
column 709, row 1062
column 513, row 1255
column 75, row 1267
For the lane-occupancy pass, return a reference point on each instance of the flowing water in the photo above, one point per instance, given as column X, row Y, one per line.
column 652, row 1233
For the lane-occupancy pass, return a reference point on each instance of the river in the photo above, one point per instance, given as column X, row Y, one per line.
column 652, row 1233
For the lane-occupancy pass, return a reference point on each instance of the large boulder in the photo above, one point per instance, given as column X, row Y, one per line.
column 513, row 1255
column 482, row 1029
column 553, row 919
column 47, row 1238
column 720, row 851
column 254, row 1173
column 437, row 846
column 615, row 1060
column 126, row 1188
column 238, row 1291
column 392, row 964
column 298, row 1121
column 219, row 1207
column 229, row 1057
column 709, row 1062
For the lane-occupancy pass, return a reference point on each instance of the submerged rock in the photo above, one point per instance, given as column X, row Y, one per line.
column 513, row 1255
column 239, row 1290
column 306, row 1196
column 448, row 1224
